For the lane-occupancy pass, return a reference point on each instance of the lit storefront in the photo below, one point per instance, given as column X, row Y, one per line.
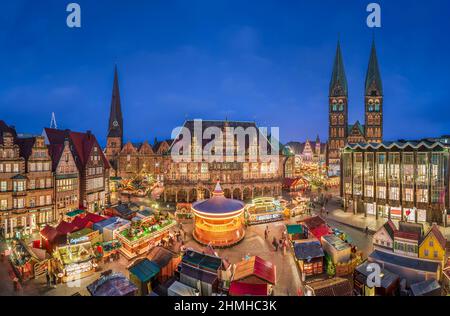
column 219, row 221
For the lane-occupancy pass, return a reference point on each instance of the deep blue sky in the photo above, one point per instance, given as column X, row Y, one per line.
column 268, row 61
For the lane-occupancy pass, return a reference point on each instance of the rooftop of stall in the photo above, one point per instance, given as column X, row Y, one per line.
column 101, row 225
column 202, row 261
column 114, row 284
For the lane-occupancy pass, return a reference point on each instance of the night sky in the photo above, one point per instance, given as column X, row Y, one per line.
column 258, row 60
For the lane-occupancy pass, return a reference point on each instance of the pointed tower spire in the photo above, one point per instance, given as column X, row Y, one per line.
column 374, row 86
column 115, row 128
column 338, row 84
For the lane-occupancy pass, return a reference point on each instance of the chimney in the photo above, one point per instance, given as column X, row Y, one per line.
column 89, row 134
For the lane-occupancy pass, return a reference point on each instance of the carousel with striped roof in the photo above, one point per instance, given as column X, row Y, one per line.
column 219, row 221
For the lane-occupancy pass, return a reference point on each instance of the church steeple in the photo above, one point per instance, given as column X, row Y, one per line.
column 373, row 100
column 338, row 84
column 374, row 86
column 115, row 128
column 338, row 113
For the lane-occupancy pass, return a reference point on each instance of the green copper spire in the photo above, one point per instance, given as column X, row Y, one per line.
column 338, row 84
column 374, row 86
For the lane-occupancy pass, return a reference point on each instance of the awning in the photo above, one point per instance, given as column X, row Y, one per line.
column 246, row 289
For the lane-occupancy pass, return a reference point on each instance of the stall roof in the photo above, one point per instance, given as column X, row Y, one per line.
column 331, row 287
column 294, row 229
column 410, row 263
column 197, row 274
column 75, row 213
column 144, row 270
column 203, row 261
column 255, row 266
column 161, row 256
column 126, row 210
column 388, row 278
column 313, row 222
column 115, row 284
column 66, row 228
column 80, row 233
column 308, row 250
column 246, row 289
column 94, row 218
column 336, row 242
column 145, row 213
column 426, row 288
column 100, row 225
column 49, row 232
column 181, row 289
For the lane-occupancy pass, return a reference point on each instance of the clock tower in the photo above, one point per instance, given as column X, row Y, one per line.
column 114, row 140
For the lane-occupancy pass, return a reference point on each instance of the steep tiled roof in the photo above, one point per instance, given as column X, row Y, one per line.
column 407, row 235
column 26, row 146
column 438, row 235
column 145, row 148
column 55, row 151
column 6, row 129
column 129, row 149
column 82, row 144
column 390, row 228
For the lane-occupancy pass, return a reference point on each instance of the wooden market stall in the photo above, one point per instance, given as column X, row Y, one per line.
column 73, row 262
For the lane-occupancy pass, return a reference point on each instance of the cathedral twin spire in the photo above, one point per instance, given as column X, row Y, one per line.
column 373, row 84
column 338, row 84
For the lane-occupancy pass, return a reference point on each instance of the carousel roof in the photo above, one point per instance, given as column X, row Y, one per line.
column 218, row 203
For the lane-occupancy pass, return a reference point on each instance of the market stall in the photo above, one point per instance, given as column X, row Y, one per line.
column 28, row 262
column 84, row 235
column 74, row 262
column 253, row 276
column 140, row 238
column 111, row 227
column 184, row 211
column 309, row 255
column 265, row 210
column 108, row 250
column 144, row 274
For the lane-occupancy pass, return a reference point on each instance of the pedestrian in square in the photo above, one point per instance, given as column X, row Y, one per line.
column 47, row 277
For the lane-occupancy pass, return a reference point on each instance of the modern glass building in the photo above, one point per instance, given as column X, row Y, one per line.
column 403, row 180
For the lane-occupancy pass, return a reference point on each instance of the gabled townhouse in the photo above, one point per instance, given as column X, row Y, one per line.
column 66, row 179
column 93, row 167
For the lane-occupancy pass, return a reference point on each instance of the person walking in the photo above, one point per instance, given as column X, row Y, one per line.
column 266, row 232
column 367, row 230
column 47, row 277
column 275, row 244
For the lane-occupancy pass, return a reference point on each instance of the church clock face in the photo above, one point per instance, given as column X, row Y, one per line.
column 115, row 124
